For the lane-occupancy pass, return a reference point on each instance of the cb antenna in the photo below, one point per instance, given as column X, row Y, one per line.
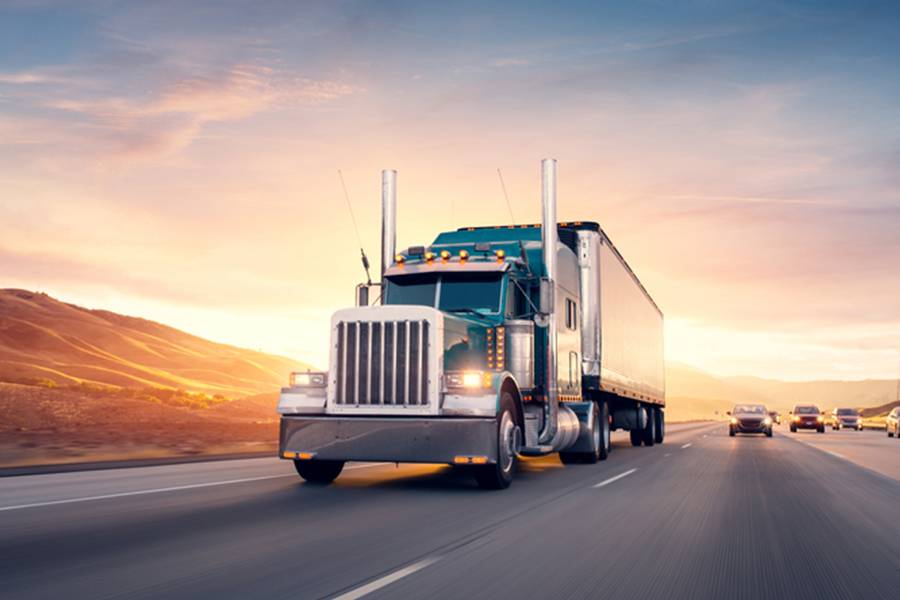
column 505, row 195
column 362, row 253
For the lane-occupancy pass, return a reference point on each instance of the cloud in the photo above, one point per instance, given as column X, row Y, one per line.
column 136, row 127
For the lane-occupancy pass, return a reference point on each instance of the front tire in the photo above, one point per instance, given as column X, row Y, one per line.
column 319, row 471
column 821, row 429
column 769, row 432
column 500, row 475
column 731, row 432
column 793, row 429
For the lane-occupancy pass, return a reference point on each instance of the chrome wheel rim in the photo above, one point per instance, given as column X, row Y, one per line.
column 507, row 450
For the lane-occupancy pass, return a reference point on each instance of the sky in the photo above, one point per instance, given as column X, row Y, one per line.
column 179, row 161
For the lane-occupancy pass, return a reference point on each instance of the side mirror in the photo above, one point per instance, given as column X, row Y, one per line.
column 547, row 296
column 728, row 413
column 362, row 295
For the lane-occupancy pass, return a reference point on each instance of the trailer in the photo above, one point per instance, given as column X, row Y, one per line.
column 489, row 344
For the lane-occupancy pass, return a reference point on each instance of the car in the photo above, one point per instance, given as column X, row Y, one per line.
column 750, row 418
column 807, row 416
column 775, row 416
column 892, row 423
column 846, row 417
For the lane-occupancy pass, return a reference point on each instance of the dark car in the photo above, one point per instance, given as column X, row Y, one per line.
column 893, row 422
column 846, row 417
column 750, row 418
column 807, row 416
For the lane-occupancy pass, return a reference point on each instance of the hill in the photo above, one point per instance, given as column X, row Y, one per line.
column 45, row 340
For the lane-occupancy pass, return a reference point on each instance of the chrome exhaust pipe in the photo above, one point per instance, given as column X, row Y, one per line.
column 549, row 242
column 388, row 220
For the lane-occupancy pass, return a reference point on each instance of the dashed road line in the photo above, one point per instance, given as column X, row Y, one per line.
column 688, row 445
column 616, row 478
column 176, row 488
column 387, row 579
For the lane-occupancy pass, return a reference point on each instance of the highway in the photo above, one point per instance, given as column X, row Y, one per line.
column 702, row 516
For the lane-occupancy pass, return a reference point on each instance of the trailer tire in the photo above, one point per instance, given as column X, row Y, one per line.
column 660, row 425
column 649, row 432
column 498, row 476
column 319, row 471
column 636, row 437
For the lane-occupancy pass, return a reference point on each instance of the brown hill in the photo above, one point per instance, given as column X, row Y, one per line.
column 43, row 339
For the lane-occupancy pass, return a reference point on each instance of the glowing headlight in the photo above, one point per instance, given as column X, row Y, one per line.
column 308, row 379
column 468, row 379
column 820, row 418
column 733, row 421
column 767, row 420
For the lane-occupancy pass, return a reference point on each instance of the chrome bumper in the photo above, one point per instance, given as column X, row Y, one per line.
column 397, row 439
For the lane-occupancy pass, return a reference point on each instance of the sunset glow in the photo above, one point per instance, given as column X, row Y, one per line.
column 181, row 165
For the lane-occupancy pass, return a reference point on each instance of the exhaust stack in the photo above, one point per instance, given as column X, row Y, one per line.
column 388, row 220
column 549, row 242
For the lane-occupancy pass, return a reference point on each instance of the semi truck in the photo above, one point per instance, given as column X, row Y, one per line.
column 487, row 345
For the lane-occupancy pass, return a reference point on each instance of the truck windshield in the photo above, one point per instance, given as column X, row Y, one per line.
column 462, row 292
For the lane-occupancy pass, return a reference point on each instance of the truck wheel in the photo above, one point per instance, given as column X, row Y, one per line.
column 890, row 433
column 605, row 440
column 648, row 435
column 498, row 476
column 636, row 437
column 660, row 426
column 319, row 471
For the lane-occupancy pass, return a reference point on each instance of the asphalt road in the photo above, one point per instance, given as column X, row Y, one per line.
column 702, row 516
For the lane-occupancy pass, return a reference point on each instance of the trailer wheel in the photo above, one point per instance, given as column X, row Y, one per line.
column 319, row 471
column 498, row 476
column 660, row 425
column 649, row 432
column 636, row 437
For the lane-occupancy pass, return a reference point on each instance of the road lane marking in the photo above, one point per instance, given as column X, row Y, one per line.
column 387, row 579
column 688, row 445
column 176, row 488
column 839, row 455
column 667, row 454
column 616, row 478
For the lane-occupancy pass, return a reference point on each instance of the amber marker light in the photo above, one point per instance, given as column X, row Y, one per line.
column 306, row 455
column 400, row 259
column 445, row 255
column 429, row 257
column 463, row 255
column 501, row 255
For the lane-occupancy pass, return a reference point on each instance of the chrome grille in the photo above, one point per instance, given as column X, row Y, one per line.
column 382, row 363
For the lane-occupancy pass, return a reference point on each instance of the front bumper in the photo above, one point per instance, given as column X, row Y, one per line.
column 750, row 427
column 397, row 439
column 808, row 424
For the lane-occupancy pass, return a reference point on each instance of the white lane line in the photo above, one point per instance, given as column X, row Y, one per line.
column 688, row 445
column 616, row 478
column 838, row 454
column 176, row 488
column 667, row 454
column 387, row 579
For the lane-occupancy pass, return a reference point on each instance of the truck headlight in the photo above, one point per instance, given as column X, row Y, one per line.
column 468, row 379
column 308, row 379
